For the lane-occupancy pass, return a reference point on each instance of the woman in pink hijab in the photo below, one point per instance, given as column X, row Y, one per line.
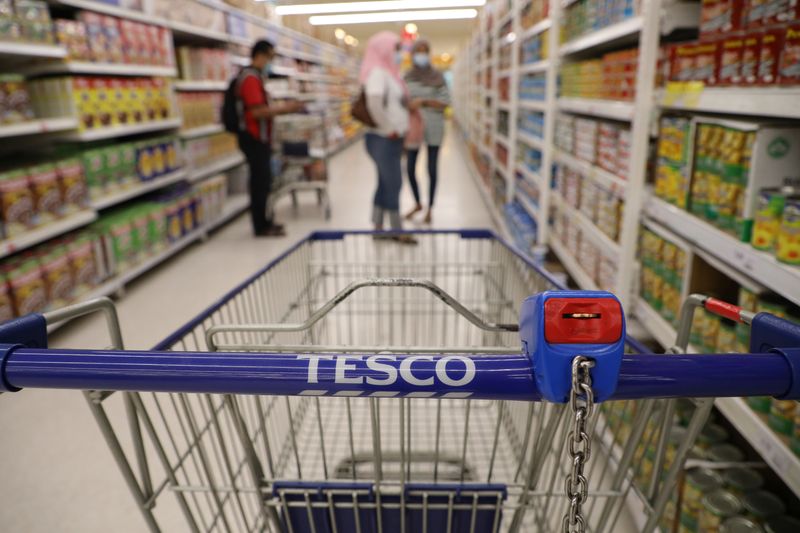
column 386, row 98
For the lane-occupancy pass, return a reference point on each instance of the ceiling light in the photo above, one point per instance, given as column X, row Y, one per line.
column 393, row 16
column 411, row 28
column 339, row 33
column 382, row 5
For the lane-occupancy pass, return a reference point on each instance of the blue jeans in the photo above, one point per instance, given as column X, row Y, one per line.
column 386, row 153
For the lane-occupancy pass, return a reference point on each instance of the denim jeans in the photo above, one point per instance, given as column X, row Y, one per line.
column 386, row 153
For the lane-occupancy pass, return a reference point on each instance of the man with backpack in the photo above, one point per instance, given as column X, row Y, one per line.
column 248, row 113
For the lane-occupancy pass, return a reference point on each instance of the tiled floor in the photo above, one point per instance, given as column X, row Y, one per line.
column 57, row 473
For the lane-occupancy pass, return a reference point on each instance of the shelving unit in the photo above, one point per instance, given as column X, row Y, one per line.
column 216, row 167
column 36, row 127
column 476, row 112
column 102, row 69
column 46, row 232
column 22, row 50
column 139, row 189
column 194, row 85
column 98, row 134
column 201, row 131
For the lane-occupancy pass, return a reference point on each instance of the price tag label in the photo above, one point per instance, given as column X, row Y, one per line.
column 673, row 92
column 683, row 93
column 692, row 93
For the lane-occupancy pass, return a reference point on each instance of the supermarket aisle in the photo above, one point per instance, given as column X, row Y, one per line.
column 58, row 474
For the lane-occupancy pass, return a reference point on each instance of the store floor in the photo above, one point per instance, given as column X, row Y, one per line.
column 57, row 472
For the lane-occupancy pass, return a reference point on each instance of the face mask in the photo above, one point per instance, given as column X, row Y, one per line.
column 398, row 58
column 421, row 60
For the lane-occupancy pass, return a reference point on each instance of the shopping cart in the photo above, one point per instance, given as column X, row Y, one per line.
column 354, row 385
column 300, row 159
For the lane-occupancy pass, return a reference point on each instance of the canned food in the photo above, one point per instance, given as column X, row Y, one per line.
column 767, row 223
column 740, row 524
column 782, row 524
column 795, row 440
column 710, row 435
column 788, row 241
column 726, row 338
column 699, row 481
column 761, row 505
column 717, row 507
column 725, row 453
column 781, row 416
column 740, row 480
column 761, row 404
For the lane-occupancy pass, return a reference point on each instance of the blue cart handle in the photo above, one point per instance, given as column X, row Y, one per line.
column 490, row 376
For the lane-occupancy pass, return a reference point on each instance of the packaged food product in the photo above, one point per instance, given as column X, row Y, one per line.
column 699, row 482
column 761, row 505
column 15, row 102
column 83, row 262
column 795, row 440
column 27, row 286
column 47, row 199
column 766, row 225
column 750, row 55
column 789, row 68
column 730, row 60
column 16, row 200
column 6, row 302
column 769, row 55
column 94, row 172
column 740, row 524
column 119, row 233
column 788, row 241
column 740, row 480
column 705, row 61
column 716, row 508
column 72, row 183
column 57, row 274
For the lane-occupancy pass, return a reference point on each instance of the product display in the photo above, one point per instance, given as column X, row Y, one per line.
column 531, row 87
column 663, row 272
column 205, row 150
column 534, row 49
column 15, row 102
column 612, row 77
column 199, row 108
column 25, row 20
column 204, row 64
column 584, row 16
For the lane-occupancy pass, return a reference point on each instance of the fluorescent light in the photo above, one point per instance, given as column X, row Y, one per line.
column 339, row 33
column 393, row 16
column 382, row 5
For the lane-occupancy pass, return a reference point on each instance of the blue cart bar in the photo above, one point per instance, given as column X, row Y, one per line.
column 490, row 377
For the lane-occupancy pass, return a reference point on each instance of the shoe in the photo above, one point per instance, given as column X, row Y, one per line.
column 428, row 217
column 405, row 239
column 413, row 212
column 272, row 231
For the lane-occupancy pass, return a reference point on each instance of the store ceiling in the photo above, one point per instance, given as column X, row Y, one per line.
column 445, row 35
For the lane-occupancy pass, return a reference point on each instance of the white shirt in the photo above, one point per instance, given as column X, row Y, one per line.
column 384, row 97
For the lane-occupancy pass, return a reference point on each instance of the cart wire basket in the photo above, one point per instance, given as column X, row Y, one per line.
column 356, row 385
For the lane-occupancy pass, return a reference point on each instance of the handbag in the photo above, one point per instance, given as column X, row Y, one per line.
column 416, row 130
column 360, row 112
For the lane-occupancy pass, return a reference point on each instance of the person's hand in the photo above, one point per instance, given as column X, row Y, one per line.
column 295, row 106
column 416, row 103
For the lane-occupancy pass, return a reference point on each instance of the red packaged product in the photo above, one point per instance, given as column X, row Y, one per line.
column 789, row 70
column 769, row 55
column 683, row 62
column 750, row 52
column 705, row 61
column 755, row 13
column 729, row 64
column 780, row 11
column 722, row 16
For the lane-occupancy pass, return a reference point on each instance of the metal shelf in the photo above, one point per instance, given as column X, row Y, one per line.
column 570, row 263
column 608, row 246
column 216, row 167
column 46, row 232
column 503, row 139
column 34, row 127
column 109, row 9
column 756, row 101
column 201, row 85
column 530, row 175
column 537, row 66
column 181, row 29
column 202, row 131
column 661, row 330
column 97, row 134
column 139, row 189
column 110, row 69
column 530, row 140
column 536, row 29
column 533, row 105
column 613, row 109
column 759, row 266
column 21, row 49
column 602, row 177
column 616, row 32
column 532, row 210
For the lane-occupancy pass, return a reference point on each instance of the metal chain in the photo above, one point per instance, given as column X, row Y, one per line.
column 581, row 402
